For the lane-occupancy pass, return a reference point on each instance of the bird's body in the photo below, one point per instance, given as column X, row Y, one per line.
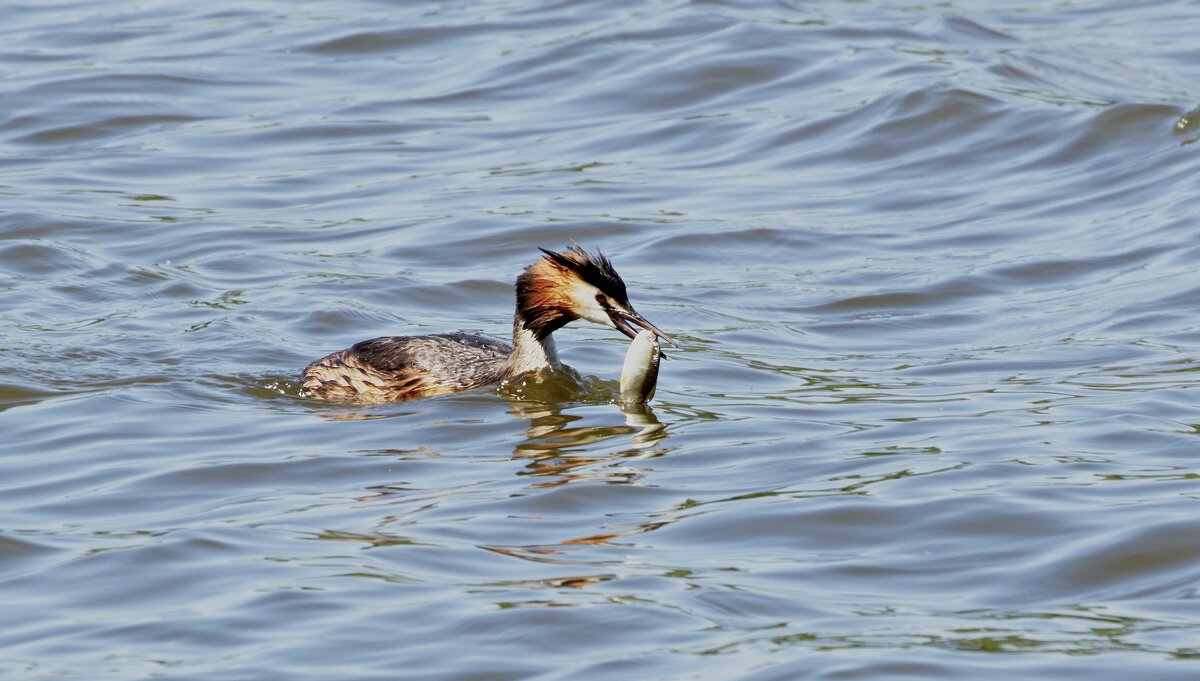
column 395, row 368
column 555, row 290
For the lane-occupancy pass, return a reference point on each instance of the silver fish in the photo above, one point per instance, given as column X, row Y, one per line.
column 639, row 374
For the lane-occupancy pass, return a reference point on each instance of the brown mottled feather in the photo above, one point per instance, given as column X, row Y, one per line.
column 395, row 368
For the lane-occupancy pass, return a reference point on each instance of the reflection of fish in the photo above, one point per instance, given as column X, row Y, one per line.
column 639, row 374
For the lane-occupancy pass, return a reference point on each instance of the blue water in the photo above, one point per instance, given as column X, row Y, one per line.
column 932, row 269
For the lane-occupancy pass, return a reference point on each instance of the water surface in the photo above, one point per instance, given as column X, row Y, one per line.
column 932, row 269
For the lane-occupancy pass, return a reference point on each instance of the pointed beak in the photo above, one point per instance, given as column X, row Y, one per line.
column 622, row 319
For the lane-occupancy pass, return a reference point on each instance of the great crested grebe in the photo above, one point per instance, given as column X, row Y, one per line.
column 557, row 289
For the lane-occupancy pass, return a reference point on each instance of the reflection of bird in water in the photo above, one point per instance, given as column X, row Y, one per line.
column 557, row 289
column 562, row 445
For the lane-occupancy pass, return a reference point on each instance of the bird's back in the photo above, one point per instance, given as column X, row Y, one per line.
column 395, row 368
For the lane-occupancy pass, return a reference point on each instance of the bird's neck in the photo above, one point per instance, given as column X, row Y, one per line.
column 530, row 353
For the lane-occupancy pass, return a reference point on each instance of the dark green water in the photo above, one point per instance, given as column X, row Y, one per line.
column 932, row 268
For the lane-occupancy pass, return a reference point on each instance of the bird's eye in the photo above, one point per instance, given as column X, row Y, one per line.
column 602, row 299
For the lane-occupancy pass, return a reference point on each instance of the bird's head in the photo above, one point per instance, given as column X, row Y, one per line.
column 574, row 284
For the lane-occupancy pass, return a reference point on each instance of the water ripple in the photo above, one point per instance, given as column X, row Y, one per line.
column 931, row 269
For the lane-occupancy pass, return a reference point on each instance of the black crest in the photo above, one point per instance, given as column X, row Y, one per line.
column 594, row 269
